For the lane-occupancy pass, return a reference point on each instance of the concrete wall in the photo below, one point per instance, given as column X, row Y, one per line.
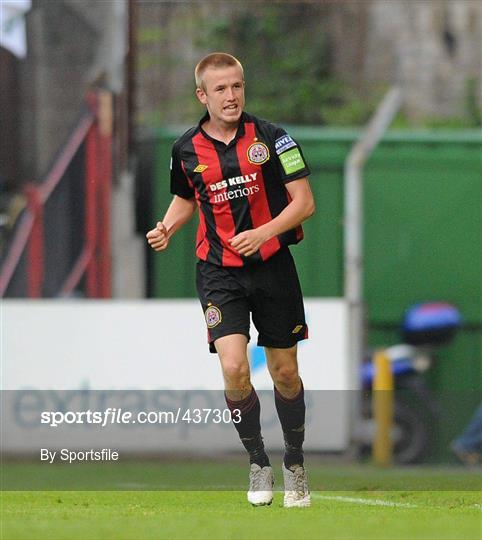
column 432, row 48
column 69, row 42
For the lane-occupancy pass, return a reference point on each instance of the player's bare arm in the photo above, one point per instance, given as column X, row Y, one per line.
column 301, row 207
column 180, row 211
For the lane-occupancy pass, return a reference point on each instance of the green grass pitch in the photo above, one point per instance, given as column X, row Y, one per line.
column 354, row 503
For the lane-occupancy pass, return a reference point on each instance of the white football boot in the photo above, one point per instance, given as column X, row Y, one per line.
column 261, row 483
column 297, row 494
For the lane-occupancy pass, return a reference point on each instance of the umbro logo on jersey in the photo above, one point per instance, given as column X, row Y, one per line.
column 200, row 168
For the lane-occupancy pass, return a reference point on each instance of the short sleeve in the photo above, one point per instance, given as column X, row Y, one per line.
column 180, row 184
column 289, row 157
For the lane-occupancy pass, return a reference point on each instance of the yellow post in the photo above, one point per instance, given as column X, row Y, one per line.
column 382, row 404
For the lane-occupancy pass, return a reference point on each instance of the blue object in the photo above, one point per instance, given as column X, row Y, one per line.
column 400, row 366
column 431, row 316
column 258, row 358
column 430, row 323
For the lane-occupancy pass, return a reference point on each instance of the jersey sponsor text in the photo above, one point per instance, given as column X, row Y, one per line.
column 236, row 180
column 236, row 193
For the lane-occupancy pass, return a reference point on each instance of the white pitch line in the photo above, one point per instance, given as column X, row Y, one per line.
column 369, row 502
column 227, row 487
column 380, row 502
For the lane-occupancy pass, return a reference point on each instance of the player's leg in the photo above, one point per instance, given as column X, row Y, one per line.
column 243, row 402
column 222, row 292
column 290, row 405
column 278, row 314
column 289, row 400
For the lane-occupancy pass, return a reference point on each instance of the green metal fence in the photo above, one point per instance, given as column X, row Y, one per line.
column 422, row 237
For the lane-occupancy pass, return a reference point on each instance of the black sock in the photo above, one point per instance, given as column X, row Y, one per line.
column 249, row 427
column 291, row 413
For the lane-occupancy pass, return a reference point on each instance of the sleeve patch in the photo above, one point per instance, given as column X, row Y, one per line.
column 283, row 143
column 292, row 161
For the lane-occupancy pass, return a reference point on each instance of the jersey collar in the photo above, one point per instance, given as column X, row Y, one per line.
column 239, row 133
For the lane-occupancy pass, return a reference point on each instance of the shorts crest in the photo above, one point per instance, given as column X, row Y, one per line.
column 213, row 316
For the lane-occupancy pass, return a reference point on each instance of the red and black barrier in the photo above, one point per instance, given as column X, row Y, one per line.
column 61, row 242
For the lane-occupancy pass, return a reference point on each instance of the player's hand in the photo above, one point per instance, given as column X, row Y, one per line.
column 248, row 242
column 158, row 238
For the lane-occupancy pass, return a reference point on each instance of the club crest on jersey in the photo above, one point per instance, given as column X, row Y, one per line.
column 213, row 316
column 200, row 168
column 258, row 153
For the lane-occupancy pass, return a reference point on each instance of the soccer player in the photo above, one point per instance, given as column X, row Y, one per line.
column 248, row 178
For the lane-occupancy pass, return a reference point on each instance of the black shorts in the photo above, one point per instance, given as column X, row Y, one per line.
column 269, row 290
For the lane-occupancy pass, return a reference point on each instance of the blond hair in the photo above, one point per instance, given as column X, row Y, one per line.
column 215, row 60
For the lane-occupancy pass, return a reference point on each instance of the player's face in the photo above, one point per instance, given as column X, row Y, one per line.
column 223, row 94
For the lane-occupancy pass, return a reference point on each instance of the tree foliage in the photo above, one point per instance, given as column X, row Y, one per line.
column 286, row 57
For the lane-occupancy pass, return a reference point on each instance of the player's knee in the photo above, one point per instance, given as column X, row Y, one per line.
column 235, row 371
column 285, row 375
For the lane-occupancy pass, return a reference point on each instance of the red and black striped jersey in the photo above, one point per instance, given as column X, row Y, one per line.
column 238, row 186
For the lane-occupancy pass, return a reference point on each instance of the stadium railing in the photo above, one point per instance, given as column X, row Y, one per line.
column 60, row 245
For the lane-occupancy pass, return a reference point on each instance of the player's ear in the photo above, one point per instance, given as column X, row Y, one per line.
column 201, row 95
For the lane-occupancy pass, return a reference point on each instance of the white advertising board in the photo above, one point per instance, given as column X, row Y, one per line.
column 159, row 344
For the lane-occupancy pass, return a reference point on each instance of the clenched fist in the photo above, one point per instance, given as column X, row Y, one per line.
column 248, row 242
column 158, row 238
